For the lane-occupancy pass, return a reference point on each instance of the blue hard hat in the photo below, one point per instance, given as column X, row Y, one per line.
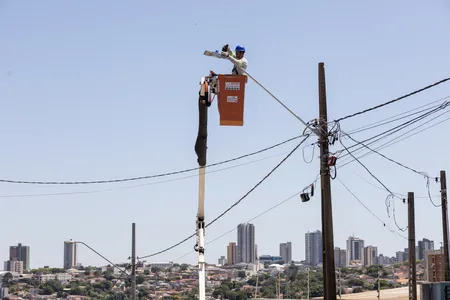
column 240, row 48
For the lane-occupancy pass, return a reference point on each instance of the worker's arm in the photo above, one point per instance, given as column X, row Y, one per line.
column 241, row 63
column 232, row 54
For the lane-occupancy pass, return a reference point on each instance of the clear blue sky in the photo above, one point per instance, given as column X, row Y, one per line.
column 107, row 89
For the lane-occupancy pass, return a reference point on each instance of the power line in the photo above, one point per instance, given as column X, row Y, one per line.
column 149, row 176
column 389, row 120
column 389, row 159
column 181, row 242
column 139, row 185
column 391, row 194
column 252, row 219
column 394, row 100
column 397, row 128
column 398, row 194
column 368, row 209
column 234, row 204
column 396, row 139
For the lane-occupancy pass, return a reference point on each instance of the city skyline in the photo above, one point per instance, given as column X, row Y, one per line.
column 87, row 105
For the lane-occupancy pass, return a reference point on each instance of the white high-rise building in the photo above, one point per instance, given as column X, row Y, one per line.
column 246, row 248
column 313, row 247
column 370, row 256
column 70, row 254
column 355, row 249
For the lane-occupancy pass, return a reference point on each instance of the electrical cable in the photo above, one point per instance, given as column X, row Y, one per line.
column 391, row 194
column 98, row 253
column 139, row 185
column 398, row 194
column 149, row 176
column 389, row 159
column 397, row 128
column 248, row 221
column 233, row 205
column 429, row 194
column 396, row 139
column 314, row 130
column 394, row 100
column 385, row 121
column 368, row 209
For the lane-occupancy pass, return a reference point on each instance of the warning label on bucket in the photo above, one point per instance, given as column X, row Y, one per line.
column 232, row 86
column 232, row 99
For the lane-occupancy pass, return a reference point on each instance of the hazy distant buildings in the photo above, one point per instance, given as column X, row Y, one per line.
column 222, row 261
column 424, row 246
column 14, row 266
column 286, row 252
column 70, row 254
column 313, row 247
column 20, row 253
column 401, row 256
column 340, row 257
column 246, row 250
column 232, row 254
column 355, row 250
column 370, row 256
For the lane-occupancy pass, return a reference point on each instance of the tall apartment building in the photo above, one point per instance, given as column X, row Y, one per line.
column 70, row 254
column 370, row 256
column 14, row 266
column 20, row 253
column 355, row 249
column 286, row 252
column 313, row 247
column 423, row 246
column 401, row 256
column 340, row 257
column 246, row 250
column 232, row 253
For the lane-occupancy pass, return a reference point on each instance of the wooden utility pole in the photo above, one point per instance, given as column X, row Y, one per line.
column 133, row 261
column 412, row 248
column 445, row 224
column 329, row 272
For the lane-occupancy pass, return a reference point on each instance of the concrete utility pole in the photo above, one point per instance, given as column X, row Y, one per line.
column 445, row 224
column 308, row 284
column 339, row 283
column 133, row 261
column 412, row 248
column 329, row 273
column 378, row 289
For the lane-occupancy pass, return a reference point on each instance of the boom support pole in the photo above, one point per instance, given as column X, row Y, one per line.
column 200, row 150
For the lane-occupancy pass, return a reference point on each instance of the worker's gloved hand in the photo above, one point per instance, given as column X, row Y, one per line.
column 225, row 48
column 225, row 54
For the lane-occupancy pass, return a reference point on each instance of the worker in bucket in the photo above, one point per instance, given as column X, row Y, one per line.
column 237, row 58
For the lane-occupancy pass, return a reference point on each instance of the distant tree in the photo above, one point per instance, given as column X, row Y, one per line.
column 140, row 279
column 241, row 274
column 7, row 279
column 155, row 269
column 184, row 267
column 147, row 272
column 357, row 290
column 46, row 290
column 355, row 282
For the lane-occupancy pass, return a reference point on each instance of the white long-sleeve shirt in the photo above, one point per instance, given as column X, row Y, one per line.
column 242, row 63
